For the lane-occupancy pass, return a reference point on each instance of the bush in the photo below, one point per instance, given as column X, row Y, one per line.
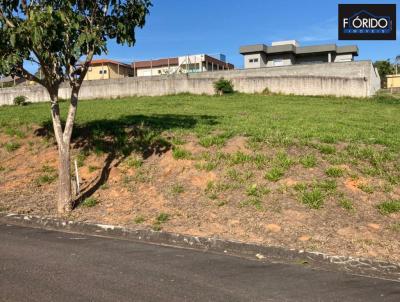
column 223, row 86
column 20, row 100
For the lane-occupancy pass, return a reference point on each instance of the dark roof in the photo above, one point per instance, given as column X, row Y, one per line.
column 290, row 48
column 219, row 62
column 156, row 63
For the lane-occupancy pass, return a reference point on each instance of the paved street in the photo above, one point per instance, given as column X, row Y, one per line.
column 39, row 265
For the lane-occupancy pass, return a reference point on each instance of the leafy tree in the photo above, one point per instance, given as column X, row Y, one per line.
column 384, row 69
column 62, row 36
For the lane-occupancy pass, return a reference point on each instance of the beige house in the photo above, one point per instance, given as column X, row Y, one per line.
column 393, row 81
column 105, row 69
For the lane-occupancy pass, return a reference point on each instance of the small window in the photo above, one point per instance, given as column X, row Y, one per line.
column 253, row 60
column 104, row 71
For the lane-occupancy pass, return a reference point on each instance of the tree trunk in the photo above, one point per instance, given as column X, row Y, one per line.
column 65, row 193
column 64, row 204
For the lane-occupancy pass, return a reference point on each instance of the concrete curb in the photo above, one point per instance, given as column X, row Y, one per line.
column 359, row 266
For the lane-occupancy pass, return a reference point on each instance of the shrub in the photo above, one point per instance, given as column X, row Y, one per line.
column 266, row 91
column 20, row 100
column 223, row 86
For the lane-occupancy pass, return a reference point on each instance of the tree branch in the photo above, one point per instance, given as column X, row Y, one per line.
column 74, row 99
column 8, row 21
column 85, row 66
column 30, row 77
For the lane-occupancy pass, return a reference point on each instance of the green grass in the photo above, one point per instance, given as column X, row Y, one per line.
column 327, row 185
column 160, row 219
column 92, row 168
column 207, row 166
column 283, row 160
column 49, row 174
column 308, row 161
column 89, row 202
column 214, row 140
column 334, row 172
column 177, row 189
column 80, row 159
column 253, row 201
column 366, row 188
column 313, row 198
column 274, row 174
column 389, row 207
column 346, row 204
column 15, row 132
column 276, row 118
column 239, row 158
column 180, row 153
column 256, row 190
column 12, row 146
column 134, row 162
column 48, row 169
column 139, row 219
column 326, row 149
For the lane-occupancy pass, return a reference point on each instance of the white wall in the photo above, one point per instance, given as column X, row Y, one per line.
column 280, row 60
column 356, row 79
column 260, row 57
column 346, row 57
column 155, row 71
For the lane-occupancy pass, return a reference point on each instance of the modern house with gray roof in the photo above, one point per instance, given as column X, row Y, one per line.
column 285, row 53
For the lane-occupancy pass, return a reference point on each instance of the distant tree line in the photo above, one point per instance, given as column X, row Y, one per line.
column 385, row 67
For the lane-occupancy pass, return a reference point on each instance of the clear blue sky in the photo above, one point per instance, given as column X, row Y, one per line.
column 179, row 27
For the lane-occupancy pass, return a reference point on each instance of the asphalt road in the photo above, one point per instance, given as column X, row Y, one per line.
column 40, row 265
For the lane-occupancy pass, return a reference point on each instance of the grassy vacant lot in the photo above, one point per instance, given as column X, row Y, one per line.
column 318, row 173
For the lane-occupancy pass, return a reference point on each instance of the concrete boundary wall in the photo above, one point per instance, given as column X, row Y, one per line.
column 355, row 79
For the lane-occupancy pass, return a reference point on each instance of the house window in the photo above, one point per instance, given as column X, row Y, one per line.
column 253, row 60
column 102, row 71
